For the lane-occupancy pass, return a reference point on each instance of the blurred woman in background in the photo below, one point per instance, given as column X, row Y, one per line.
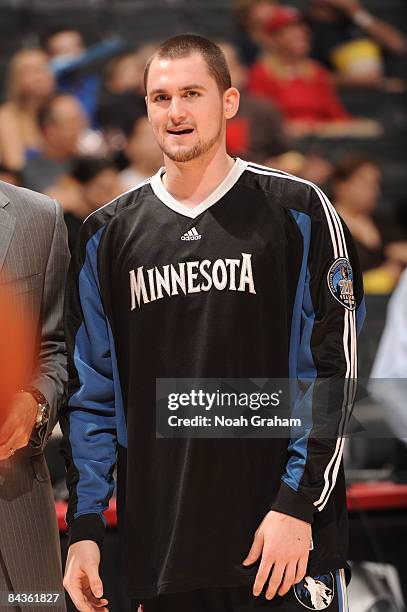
column 381, row 244
column 30, row 82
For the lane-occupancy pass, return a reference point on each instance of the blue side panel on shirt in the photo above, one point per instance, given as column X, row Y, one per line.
column 301, row 364
column 96, row 407
column 360, row 316
column 121, row 425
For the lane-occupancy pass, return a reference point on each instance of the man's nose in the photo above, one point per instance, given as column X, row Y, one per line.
column 176, row 110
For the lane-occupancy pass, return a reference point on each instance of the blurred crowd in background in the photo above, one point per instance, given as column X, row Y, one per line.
column 323, row 86
column 323, row 96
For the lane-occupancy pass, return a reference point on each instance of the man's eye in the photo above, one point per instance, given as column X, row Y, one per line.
column 160, row 98
column 192, row 94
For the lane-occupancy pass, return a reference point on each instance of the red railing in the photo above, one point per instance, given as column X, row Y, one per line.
column 365, row 495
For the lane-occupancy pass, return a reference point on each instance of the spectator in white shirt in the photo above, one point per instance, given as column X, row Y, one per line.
column 391, row 363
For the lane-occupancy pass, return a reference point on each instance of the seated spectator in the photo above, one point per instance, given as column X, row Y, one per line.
column 285, row 74
column 29, row 83
column 62, row 42
column 97, row 182
column 62, row 121
column 123, row 73
column 121, row 101
column 381, row 245
column 76, row 66
column 143, row 153
column 257, row 132
column 250, row 17
column 351, row 41
column 62, row 46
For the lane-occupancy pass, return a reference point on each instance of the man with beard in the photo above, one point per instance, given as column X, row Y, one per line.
column 214, row 267
column 34, row 259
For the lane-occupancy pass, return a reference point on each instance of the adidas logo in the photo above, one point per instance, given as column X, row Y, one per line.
column 191, row 234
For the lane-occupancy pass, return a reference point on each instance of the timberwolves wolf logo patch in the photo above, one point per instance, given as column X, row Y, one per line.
column 340, row 282
column 315, row 593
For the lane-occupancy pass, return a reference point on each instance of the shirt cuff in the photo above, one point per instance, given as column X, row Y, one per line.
column 294, row 504
column 37, row 437
column 87, row 527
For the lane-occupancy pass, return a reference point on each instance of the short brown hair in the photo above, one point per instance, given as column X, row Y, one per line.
column 349, row 164
column 183, row 45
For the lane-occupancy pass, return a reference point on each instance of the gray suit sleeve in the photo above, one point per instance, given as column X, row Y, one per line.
column 51, row 375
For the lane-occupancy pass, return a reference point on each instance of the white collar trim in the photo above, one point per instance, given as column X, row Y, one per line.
column 231, row 178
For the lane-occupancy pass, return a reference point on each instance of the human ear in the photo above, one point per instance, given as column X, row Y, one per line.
column 231, row 102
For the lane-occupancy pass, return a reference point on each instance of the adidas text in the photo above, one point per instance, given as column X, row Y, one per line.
column 191, row 234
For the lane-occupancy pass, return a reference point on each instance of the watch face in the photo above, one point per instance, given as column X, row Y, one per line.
column 42, row 415
column 43, row 406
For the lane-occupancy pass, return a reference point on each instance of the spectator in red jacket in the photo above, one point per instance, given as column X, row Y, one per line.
column 257, row 132
column 300, row 86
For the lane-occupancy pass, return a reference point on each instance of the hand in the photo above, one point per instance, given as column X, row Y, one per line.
column 16, row 430
column 283, row 543
column 397, row 251
column 82, row 580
